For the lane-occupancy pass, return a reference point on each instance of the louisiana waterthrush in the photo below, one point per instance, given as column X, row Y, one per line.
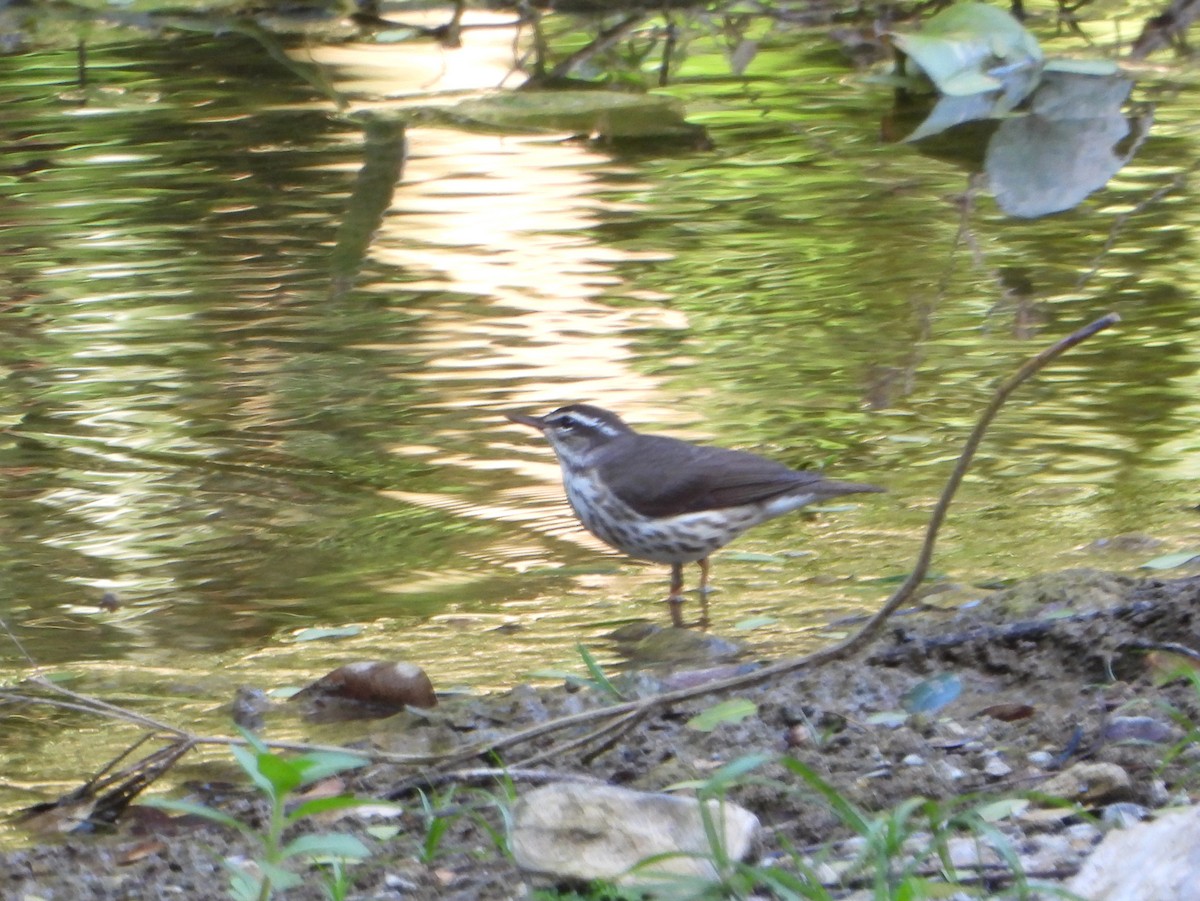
column 669, row 501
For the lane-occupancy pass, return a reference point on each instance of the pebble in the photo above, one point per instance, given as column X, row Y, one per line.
column 1040, row 759
column 996, row 768
column 1124, row 813
column 913, row 760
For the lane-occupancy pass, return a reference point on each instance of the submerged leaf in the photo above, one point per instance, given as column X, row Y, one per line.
column 1170, row 561
column 315, row 634
column 608, row 113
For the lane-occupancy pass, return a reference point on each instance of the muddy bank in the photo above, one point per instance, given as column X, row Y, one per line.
column 999, row 699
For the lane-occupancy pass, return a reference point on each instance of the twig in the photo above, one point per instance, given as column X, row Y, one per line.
column 603, row 41
column 616, row 727
column 486, row 774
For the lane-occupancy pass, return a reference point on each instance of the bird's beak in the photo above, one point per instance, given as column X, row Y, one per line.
column 534, row 422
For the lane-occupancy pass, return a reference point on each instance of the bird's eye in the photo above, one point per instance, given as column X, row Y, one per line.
column 566, row 424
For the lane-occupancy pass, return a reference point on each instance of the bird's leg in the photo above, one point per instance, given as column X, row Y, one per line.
column 675, row 600
column 704, row 590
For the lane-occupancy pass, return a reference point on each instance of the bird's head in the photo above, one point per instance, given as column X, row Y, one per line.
column 576, row 432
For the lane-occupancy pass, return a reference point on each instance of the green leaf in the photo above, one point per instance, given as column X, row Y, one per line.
column 889, row 719
column 383, row 832
column 1169, row 561
column 200, row 810
column 754, row 622
column 972, row 48
column 732, row 711
column 598, row 675
column 282, row 775
column 734, row 771
column 243, row 886
column 247, row 759
column 932, row 694
column 334, row 844
column 340, row 802
column 278, row 876
column 316, row 765
column 331, row 632
column 846, row 812
column 1002, row 809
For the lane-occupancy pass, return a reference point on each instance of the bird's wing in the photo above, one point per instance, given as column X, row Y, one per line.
column 668, row 477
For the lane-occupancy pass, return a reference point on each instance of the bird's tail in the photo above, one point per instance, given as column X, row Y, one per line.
column 827, row 488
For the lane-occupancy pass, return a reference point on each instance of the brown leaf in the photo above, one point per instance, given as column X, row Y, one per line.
column 140, row 851
column 1008, row 712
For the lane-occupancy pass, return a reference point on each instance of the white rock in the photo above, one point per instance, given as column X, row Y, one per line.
column 1154, row 861
column 602, row 832
column 995, row 767
column 1040, row 759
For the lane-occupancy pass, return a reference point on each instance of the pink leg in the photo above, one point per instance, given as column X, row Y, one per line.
column 704, row 589
column 676, row 598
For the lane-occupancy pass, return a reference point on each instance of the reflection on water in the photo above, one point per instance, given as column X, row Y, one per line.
column 245, row 416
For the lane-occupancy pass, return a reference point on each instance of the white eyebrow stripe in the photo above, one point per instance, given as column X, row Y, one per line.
column 593, row 423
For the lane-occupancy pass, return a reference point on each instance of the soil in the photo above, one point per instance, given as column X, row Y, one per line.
column 1066, row 669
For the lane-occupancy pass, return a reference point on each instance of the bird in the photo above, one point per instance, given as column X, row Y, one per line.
column 666, row 500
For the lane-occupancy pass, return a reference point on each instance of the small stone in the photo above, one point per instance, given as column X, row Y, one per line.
column 1086, row 834
column 1139, row 729
column 913, row 760
column 1040, row 759
column 1089, row 783
column 1158, row 796
column 996, row 768
column 1124, row 813
column 950, row 772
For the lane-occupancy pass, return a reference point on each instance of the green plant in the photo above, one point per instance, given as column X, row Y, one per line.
column 441, row 811
column 905, row 852
column 437, row 821
column 277, row 777
column 596, row 680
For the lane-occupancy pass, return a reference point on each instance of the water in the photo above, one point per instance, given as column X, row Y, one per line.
column 250, row 389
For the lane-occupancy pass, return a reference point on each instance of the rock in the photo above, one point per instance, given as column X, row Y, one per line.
column 1040, row 759
column 367, row 689
column 249, row 708
column 1089, row 783
column 601, row 832
column 1071, row 589
column 1124, row 813
column 1157, row 861
column 683, row 646
column 1139, row 729
column 995, row 767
